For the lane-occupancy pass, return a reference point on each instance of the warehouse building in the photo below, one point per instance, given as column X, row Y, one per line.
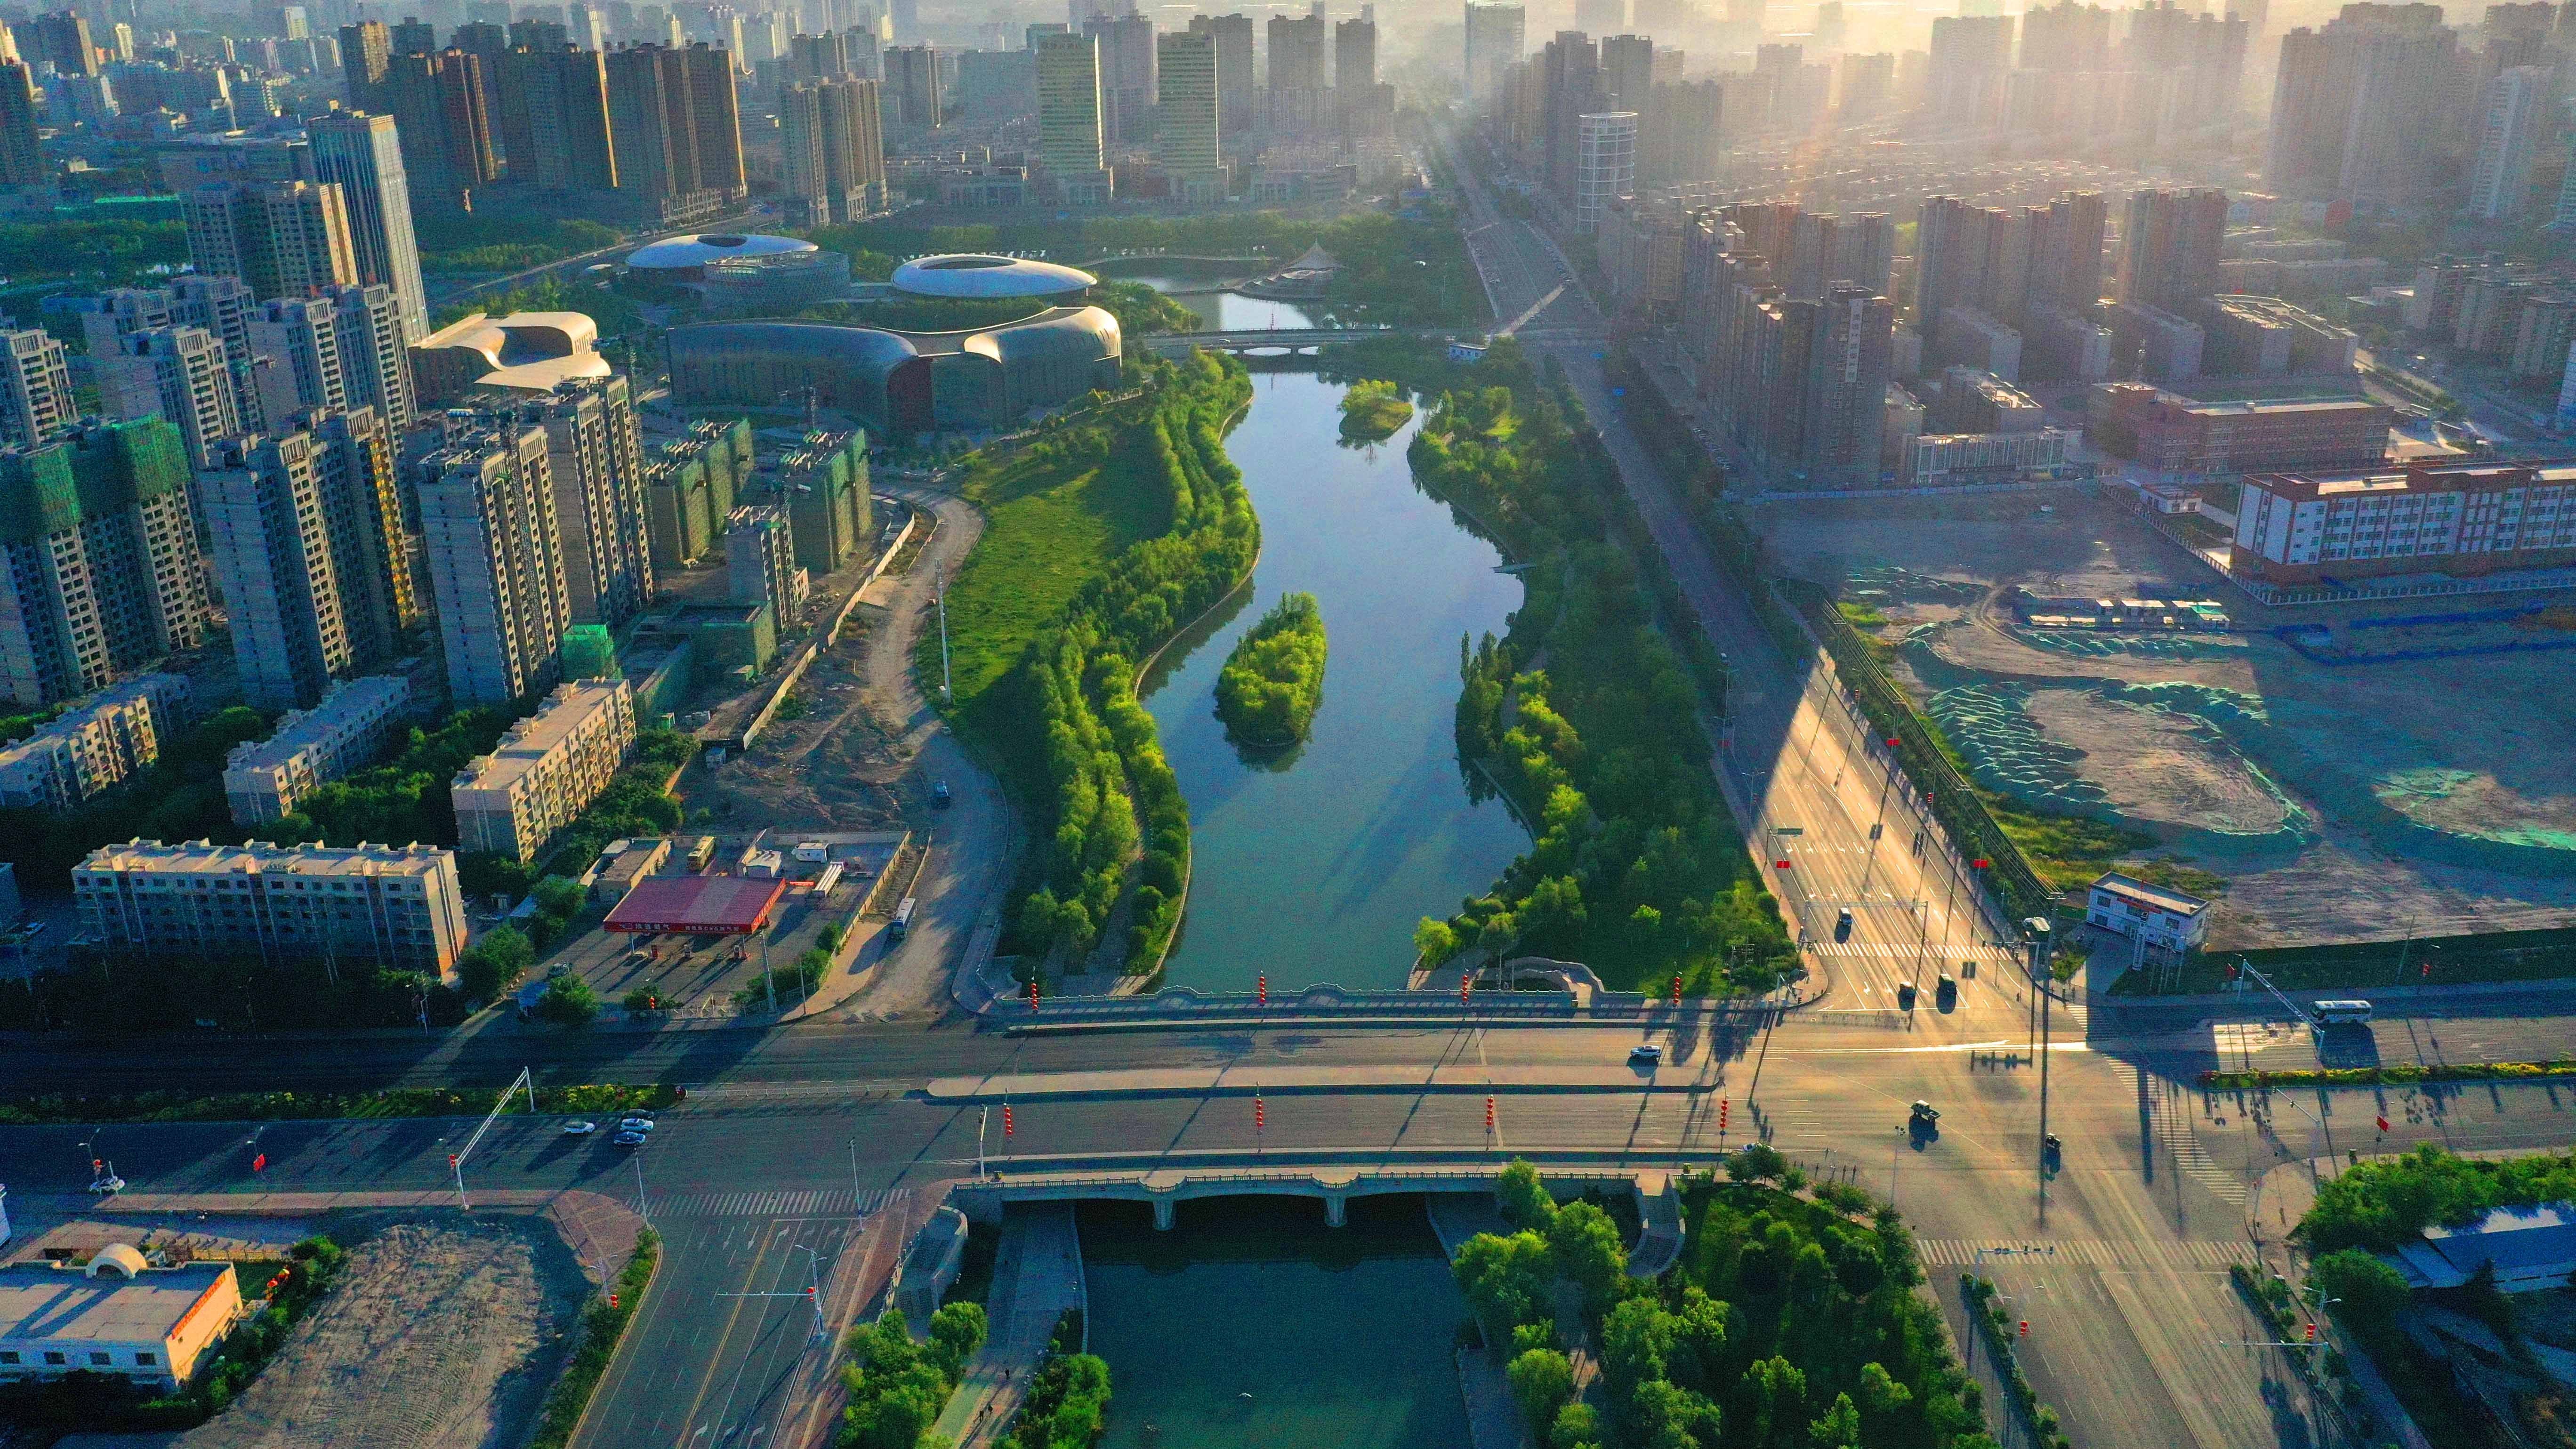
column 116, row 1316
column 2177, row 438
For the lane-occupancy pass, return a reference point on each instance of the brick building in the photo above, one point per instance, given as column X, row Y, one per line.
column 2175, row 437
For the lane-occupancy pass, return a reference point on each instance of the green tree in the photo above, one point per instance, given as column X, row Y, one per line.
column 1698, row 1354
column 1664, row 1415
column 1542, row 1379
column 1506, row 1281
column 956, row 1332
column 1880, row 1394
column 1757, row 1162
column 1775, row 1390
column 2372, row 1292
column 1524, row 1197
column 1839, row 1428
column 1577, row 1426
column 1636, row 1346
column 568, row 1001
column 1585, row 1244
column 495, row 963
column 560, row 897
column 1435, row 942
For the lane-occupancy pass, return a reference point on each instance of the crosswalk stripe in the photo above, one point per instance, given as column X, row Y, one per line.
column 2078, row 1252
column 806, row 1202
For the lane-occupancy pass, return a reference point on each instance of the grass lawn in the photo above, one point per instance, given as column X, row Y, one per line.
column 1046, row 534
column 2361, row 965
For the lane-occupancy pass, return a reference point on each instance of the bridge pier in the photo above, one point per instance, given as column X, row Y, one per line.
column 1337, row 1209
column 1162, row 1214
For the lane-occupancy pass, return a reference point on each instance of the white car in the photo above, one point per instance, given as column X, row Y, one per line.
column 1646, row 1051
column 636, row 1124
column 580, row 1129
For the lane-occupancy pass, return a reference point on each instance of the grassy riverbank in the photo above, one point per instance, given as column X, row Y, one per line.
column 1274, row 679
column 1590, row 712
column 1102, row 540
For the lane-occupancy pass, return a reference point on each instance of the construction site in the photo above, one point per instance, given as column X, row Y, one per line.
column 2335, row 773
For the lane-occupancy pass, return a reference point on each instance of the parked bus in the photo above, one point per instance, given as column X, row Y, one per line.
column 2342, row 1013
column 902, row 925
column 701, row 854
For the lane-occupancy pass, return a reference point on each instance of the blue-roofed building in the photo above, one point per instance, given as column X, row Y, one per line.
column 2530, row 1248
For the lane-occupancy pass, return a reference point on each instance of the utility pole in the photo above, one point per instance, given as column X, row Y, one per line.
column 940, row 596
column 2036, row 933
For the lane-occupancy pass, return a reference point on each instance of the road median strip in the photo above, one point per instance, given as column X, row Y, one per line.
column 2397, row 1076
column 601, row 1098
column 1342, row 1081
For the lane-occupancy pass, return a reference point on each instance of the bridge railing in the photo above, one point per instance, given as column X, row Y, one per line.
column 1330, row 1000
column 1307, row 1174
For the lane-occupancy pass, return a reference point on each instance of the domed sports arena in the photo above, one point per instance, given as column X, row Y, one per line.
column 971, row 275
column 905, row 381
column 677, row 259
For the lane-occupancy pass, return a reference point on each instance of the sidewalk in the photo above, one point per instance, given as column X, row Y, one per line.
column 1037, row 1276
column 1612, row 1075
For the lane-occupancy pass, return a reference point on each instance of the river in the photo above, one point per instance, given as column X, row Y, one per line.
column 1341, row 1337
column 1314, row 866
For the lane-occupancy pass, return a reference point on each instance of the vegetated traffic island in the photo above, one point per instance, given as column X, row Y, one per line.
column 1273, row 682
column 1372, row 410
column 1118, row 526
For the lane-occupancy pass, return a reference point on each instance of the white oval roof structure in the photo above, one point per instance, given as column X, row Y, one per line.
column 967, row 274
column 686, row 253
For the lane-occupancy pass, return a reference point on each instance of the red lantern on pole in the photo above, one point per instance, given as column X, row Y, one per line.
column 1779, row 865
column 2025, row 1328
column 1677, row 988
column 1981, row 862
column 1260, row 1113
column 1007, row 1125
column 2312, row 1333
column 1033, row 993
column 1465, row 984
column 612, row 1300
column 1489, row 1114
column 1891, row 742
column 1261, row 989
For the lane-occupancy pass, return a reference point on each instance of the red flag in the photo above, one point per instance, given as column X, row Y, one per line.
column 2383, row 1122
column 1981, row 862
column 1780, row 865
column 259, row 1163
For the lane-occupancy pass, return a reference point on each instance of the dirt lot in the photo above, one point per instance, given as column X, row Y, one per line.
column 439, row 1335
column 2339, row 801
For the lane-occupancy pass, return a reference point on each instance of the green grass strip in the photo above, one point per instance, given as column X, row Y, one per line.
column 603, row 1324
column 2399, row 1076
column 598, row 1097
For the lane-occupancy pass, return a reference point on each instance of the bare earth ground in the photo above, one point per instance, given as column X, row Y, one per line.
column 442, row 1334
column 2474, row 749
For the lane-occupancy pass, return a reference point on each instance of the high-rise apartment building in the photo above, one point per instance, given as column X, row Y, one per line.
column 825, row 480
column 375, row 360
column 487, row 514
column 1495, row 38
column 437, row 102
column 595, row 462
column 1361, row 107
column 1970, row 56
column 177, row 373
column 101, row 568
column 2357, row 107
column 2517, row 111
column 1678, row 139
column 1605, row 167
column 760, row 561
column 62, row 37
column 302, row 343
column 1600, row 17
column 1127, row 77
column 299, row 544
column 22, row 163
column 220, row 305
column 362, row 155
column 35, row 388
column 832, row 138
column 556, row 101
column 281, row 238
column 1628, row 71
column 2068, row 36
column 1836, row 357
column 1569, row 76
column 678, row 133
column 1864, row 85
column 1071, row 133
column 1187, row 138
column 1300, row 89
column 1238, row 98
column 1798, row 382
column 912, row 86
column 366, row 55
column 2170, row 248
column 487, row 43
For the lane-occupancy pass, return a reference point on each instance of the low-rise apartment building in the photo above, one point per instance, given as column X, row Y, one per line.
column 547, row 769
column 339, row 736
column 110, row 738
column 399, row 907
column 2175, row 437
column 2425, row 518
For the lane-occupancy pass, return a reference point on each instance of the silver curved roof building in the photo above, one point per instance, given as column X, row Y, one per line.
column 684, row 258
column 902, row 382
column 969, row 274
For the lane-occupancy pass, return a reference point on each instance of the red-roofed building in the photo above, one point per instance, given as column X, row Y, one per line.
column 698, row 905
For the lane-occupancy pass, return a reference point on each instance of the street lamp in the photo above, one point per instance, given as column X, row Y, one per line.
column 2036, row 934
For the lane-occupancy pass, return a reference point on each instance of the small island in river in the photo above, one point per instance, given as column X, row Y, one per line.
column 1372, row 410
column 1272, row 683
